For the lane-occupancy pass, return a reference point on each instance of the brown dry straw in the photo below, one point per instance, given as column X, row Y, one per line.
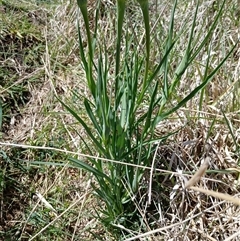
column 197, row 176
column 219, row 195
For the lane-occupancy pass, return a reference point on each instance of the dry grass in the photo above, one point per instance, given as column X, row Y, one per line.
column 210, row 131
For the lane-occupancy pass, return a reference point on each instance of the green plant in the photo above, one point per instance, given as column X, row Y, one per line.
column 115, row 127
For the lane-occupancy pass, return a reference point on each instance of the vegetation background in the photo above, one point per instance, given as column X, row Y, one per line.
column 43, row 195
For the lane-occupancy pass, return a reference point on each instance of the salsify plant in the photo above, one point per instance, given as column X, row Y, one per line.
column 122, row 116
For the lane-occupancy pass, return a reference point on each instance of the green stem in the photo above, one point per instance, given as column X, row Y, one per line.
column 83, row 7
column 144, row 4
column 121, row 5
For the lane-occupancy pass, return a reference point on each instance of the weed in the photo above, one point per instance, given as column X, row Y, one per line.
column 152, row 144
column 116, row 129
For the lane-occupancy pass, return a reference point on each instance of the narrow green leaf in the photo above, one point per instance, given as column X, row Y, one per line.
column 208, row 36
column 81, row 49
column 185, row 60
column 196, row 90
column 168, row 45
column 92, row 117
column 204, row 77
column 86, row 167
column 89, row 132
